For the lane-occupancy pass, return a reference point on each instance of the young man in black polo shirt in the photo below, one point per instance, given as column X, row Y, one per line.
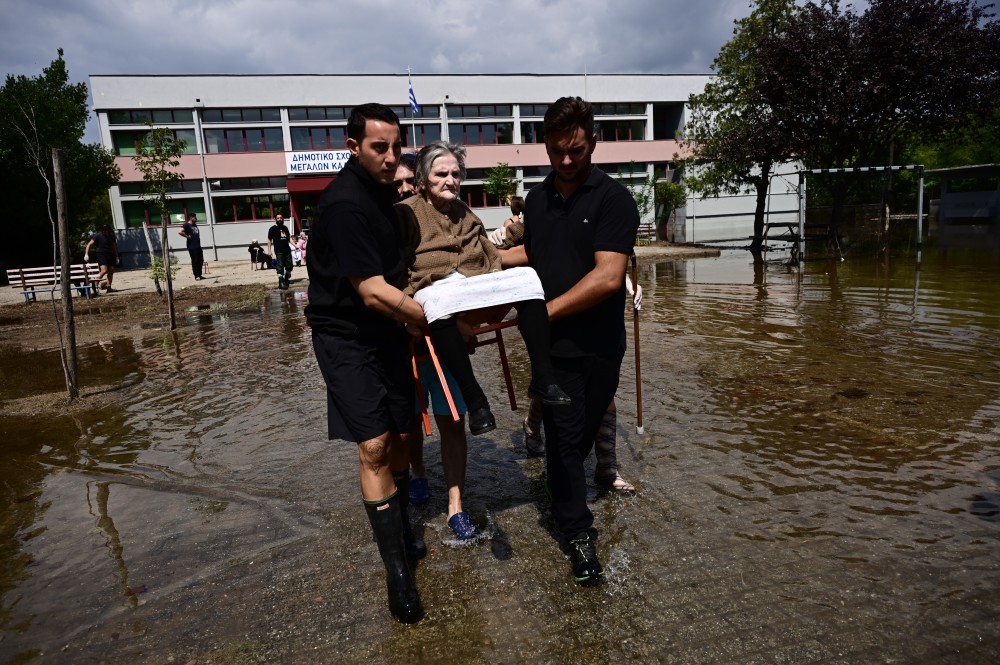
column 580, row 228
column 357, row 312
column 278, row 239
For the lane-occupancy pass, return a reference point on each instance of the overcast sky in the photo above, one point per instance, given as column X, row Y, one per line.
column 365, row 36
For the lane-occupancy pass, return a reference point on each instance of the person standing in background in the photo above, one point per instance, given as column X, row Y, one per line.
column 279, row 246
column 193, row 236
column 107, row 254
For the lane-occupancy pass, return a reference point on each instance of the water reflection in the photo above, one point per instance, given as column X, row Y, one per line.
column 820, row 447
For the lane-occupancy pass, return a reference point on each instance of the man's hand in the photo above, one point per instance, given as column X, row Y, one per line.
column 86, row 258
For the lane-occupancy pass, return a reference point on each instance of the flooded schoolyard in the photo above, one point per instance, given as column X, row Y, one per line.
column 819, row 482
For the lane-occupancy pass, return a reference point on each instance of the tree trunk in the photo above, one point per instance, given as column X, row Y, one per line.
column 152, row 253
column 762, row 185
column 166, row 269
column 71, row 363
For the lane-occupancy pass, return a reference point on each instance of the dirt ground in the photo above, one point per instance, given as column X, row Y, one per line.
column 28, row 327
column 32, row 326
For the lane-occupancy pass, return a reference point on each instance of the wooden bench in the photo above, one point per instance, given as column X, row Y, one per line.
column 48, row 279
column 646, row 234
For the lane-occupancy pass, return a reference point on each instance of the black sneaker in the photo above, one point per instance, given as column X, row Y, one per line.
column 587, row 570
column 481, row 421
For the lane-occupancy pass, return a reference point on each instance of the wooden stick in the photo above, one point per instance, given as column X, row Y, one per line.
column 638, row 367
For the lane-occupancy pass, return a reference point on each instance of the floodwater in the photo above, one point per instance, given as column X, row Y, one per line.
column 819, row 481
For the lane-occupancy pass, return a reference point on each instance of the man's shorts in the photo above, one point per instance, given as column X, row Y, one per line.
column 369, row 385
column 105, row 259
column 431, row 385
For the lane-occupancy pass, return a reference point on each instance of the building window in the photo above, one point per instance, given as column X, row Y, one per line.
column 250, row 208
column 620, row 130
column 536, row 171
column 480, row 111
column 532, row 132
column 620, row 108
column 138, row 213
column 244, row 140
column 241, row 115
column 139, row 188
column 301, row 113
column 157, row 117
column 533, row 110
column 424, row 134
column 267, row 182
column 319, row 138
column 425, row 112
column 475, row 196
column 484, row 134
column 125, row 142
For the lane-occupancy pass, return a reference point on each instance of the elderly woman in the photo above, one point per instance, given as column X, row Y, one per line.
column 454, row 268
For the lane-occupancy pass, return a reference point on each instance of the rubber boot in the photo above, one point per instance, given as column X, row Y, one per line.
column 414, row 547
column 404, row 601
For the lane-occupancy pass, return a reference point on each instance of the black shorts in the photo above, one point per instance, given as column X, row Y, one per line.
column 369, row 385
column 105, row 259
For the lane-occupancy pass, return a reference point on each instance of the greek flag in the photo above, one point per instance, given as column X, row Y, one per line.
column 413, row 98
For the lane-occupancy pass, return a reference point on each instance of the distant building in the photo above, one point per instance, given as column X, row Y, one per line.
column 261, row 145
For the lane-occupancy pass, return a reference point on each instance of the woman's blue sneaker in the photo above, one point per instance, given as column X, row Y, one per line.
column 420, row 492
column 463, row 526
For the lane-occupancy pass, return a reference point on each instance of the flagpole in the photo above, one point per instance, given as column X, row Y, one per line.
column 413, row 113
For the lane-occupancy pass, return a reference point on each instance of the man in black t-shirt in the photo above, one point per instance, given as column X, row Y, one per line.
column 580, row 231
column 193, row 235
column 278, row 246
column 357, row 313
column 107, row 254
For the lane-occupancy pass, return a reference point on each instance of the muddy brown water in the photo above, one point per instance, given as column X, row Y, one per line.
column 819, row 481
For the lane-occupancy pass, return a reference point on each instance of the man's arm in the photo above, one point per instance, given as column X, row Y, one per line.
column 386, row 299
column 183, row 232
column 601, row 282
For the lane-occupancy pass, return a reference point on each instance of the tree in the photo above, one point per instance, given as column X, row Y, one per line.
column 670, row 196
column 42, row 113
column 157, row 155
column 501, row 183
column 851, row 86
column 734, row 136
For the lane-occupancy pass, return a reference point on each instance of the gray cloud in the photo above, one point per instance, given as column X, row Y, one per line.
column 366, row 36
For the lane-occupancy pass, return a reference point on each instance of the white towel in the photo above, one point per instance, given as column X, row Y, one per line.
column 458, row 293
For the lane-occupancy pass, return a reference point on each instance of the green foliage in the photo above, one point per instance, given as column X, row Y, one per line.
column 157, row 155
column 734, row 136
column 850, row 86
column 41, row 113
column 501, row 183
column 642, row 190
column 670, row 196
column 156, row 272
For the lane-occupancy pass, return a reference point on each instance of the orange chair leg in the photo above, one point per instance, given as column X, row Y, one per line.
column 444, row 382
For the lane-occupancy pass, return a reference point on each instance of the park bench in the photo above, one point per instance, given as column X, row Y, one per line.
column 48, row 279
column 646, row 234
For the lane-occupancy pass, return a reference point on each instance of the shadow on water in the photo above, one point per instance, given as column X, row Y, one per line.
column 820, row 454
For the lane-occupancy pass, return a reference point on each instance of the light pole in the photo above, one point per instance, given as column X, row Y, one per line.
column 200, row 144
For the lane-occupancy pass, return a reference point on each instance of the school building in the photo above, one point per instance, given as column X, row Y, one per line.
column 260, row 145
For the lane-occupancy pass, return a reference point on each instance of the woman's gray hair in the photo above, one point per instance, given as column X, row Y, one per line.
column 430, row 152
